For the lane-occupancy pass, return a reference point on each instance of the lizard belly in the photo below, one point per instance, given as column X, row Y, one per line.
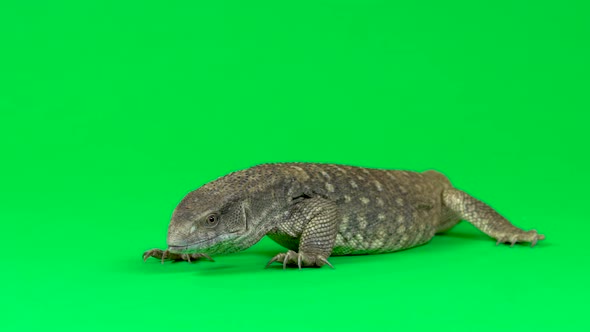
column 384, row 232
column 285, row 240
column 376, row 231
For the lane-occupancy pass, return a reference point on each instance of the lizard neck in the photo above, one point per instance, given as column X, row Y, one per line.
column 262, row 215
column 266, row 197
column 266, row 209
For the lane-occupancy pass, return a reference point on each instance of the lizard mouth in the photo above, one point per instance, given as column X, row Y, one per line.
column 201, row 245
column 175, row 247
column 178, row 249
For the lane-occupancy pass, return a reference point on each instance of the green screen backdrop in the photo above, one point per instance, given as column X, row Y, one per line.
column 111, row 111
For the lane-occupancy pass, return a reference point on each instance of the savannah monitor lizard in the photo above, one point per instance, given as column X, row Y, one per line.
column 318, row 210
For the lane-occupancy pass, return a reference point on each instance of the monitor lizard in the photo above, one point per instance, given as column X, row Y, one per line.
column 319, row 210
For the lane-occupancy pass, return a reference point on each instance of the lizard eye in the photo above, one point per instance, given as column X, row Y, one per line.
column 212, row 220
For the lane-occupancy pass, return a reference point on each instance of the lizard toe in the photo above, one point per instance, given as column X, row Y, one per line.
column 276, row 258
column 156, row 253
column 520, row 236
column 201, row 255
column 300, row 260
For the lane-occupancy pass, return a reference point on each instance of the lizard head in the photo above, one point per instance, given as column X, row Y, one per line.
column 226, row 215
column 208, row 221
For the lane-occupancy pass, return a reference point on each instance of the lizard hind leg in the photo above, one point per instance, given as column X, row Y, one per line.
column 486, row 219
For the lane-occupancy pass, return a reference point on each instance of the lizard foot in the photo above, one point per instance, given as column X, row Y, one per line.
column 300, row 259
column 166, row 254
column 520, row 236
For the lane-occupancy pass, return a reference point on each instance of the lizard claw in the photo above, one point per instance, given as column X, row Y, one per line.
column 536, row 238
column 164, row 255
column 206, row 256
column 286, row 259
column 274, row 259
column 325, row 261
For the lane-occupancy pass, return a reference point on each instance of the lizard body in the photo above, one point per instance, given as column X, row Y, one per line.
column 318, row 210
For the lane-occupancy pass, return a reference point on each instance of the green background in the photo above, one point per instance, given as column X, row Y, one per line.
column 111, row 111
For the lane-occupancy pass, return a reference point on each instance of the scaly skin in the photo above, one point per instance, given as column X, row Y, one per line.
column 318, row 210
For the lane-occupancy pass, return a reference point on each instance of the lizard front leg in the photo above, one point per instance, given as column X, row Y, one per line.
column 315, row 222
column 166, row 254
